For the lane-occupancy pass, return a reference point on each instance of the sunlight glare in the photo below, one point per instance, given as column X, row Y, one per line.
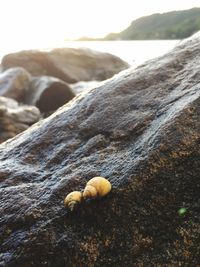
column 39, row 23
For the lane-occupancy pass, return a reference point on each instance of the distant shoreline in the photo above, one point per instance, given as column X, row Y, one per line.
column 166, row 26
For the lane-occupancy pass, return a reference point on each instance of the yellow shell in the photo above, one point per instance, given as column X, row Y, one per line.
column 97, row 187
column 73, row 199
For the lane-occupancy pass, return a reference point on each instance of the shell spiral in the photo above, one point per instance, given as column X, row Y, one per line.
column 73, row 199
column 97, row 187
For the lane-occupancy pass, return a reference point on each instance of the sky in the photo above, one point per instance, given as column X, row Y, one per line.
column 37, row 22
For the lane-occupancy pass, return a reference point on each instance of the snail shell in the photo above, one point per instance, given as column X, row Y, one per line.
column 97, row 187
column 73, row 199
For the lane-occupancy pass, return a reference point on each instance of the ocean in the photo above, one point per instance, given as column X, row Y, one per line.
column 134, row 52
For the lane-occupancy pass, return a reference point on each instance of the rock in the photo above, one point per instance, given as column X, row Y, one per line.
column 14, row 118
column 45, row 92
column 68, row 64
column 48, row 93
column 140, row 130
column 14, row 83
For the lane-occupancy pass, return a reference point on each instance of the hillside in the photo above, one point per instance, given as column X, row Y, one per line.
column 170, row 25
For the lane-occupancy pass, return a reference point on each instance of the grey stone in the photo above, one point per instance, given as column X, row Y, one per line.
column 48, row 93
column 15, row 118
column 14, row 83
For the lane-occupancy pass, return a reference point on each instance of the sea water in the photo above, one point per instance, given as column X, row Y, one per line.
column 134, row 52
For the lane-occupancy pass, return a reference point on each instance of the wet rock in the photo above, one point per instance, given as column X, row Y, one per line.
column 14, row 83
column 141, row 130
column 48, row 93
column 14, row 118
column 68, row 64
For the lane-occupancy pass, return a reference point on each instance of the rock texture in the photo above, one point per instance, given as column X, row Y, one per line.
column 14, row 83
column 141, row 130
column 14, row 118
column 68, row 64
column 48, row 93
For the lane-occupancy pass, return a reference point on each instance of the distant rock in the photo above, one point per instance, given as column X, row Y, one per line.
column 45, row 92
column 140, row 130
column 14, row 118
column 48, row 93
column 14, row 83
column 68, row 64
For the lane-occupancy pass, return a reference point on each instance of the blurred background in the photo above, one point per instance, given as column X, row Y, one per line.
column 57, row 23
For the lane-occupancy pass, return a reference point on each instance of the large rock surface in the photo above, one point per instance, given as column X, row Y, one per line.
column 69, row 64
column 14, row 83
column 15, row 118
column 48, row 93
column 141, row 130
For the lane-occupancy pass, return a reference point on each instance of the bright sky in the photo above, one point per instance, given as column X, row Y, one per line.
column 31, row 22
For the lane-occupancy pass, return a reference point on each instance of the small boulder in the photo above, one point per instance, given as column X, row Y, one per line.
column 14, row 83
column 14, row 118
column 48, row 93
